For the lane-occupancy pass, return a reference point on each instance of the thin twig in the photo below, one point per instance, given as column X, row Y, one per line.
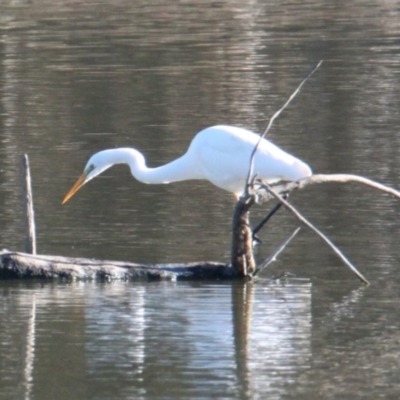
column 275, row 254
column 271, row 121
column 319, row 233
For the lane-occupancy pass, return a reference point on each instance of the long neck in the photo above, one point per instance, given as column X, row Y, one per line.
column 177, row 170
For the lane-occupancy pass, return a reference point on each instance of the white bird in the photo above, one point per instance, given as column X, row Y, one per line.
column 219, row 154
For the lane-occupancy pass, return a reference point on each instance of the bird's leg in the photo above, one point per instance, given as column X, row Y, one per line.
column 266, row 218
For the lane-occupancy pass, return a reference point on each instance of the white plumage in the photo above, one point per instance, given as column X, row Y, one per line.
column 220, row 154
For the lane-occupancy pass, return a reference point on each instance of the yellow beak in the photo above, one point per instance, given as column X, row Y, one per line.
column 79, row 183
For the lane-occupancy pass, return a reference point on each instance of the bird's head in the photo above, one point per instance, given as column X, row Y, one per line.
column 97, row 164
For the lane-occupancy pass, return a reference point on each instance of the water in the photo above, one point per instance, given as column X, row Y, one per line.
column 77, row 77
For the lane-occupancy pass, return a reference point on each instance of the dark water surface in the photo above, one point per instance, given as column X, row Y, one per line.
column 77, row 77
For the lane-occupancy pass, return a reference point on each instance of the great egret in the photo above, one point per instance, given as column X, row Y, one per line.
column 219, row 154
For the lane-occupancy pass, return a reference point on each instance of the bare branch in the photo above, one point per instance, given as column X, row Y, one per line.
column 275, row 254
column 286, row 187
column 271, row 121
column 319, row 233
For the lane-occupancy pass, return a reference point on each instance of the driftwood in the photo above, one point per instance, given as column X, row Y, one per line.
column 22, row 265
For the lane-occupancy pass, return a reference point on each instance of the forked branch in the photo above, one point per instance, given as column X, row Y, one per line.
column 265, row 192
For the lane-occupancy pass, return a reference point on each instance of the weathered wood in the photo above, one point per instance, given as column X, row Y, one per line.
column 30, row 231
column 21, row 265
column 263, row 195
column 242, row 257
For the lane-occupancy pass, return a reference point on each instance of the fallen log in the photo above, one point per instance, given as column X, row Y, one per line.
column 22, row 265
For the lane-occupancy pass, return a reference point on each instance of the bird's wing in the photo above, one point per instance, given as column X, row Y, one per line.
column 224, row 160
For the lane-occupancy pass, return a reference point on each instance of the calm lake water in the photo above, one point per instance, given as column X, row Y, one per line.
column 77, row 77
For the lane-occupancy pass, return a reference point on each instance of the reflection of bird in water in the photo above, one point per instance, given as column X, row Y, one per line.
column 220, row 154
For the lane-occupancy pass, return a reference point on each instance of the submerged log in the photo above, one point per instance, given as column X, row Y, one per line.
column 22, row 265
